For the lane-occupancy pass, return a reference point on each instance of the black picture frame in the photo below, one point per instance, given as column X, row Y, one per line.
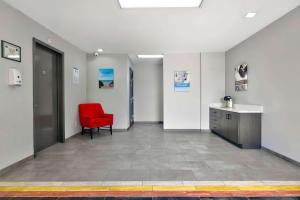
column 3, row 42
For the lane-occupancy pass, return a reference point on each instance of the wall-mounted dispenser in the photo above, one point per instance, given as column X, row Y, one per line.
column 14, row 77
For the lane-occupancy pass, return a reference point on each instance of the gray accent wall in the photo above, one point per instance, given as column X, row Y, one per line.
column 273, row 56
column 16, row 103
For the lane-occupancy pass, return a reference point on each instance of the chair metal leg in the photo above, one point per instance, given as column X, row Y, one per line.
column 111, row 129
column 98, row 129
column 91, row 132
column 82, row 131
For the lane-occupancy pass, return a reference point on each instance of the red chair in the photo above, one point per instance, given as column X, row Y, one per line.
column 92, row 116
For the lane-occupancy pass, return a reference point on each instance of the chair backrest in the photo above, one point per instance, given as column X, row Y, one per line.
column 90, row 110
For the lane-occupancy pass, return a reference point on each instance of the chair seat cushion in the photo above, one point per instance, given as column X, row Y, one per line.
column 98, row 122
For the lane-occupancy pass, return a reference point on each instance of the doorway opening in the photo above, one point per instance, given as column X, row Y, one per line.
column 131, row 97
column 148, row 91
column 48, row 95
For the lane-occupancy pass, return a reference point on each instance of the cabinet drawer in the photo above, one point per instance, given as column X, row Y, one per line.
column 215, row 127
column 214, row 113
column 214, row 124
column 214, row 120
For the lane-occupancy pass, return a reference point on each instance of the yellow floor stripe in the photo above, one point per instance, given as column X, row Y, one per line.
column 174, row 188
column 271, row 188
column 217, row 188
column 131, row 188
column 153, row 188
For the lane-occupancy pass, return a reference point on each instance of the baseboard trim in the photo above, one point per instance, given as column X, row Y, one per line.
column 120, row 130
column 282, row 156
column 148, row 122
column 66, row 139
column 179, row 130
column 15, row 165
column 105, row 129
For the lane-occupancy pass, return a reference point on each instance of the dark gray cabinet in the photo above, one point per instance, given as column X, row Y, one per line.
column 242, row 129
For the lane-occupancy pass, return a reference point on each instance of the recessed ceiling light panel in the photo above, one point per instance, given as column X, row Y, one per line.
column 150, row 56
column 160, row 3
column 250, row 15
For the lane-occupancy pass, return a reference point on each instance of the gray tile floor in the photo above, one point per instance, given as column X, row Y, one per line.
column 147, row 153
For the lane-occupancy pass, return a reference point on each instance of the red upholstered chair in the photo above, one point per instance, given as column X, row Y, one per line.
column 92, row 116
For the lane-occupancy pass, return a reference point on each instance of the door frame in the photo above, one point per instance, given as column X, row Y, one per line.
column 131, row 106
column 60, row 91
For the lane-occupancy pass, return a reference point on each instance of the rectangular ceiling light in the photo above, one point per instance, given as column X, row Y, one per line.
column 150, row 56
column 160, row 3
column 250, row 15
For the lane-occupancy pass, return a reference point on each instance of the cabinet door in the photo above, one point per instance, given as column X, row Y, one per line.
column 223, row 124
column 232, row 132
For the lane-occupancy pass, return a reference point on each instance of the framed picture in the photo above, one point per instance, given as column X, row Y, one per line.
column 10, row 51
column 106, row 77
column 182, row 81
column 241, row 78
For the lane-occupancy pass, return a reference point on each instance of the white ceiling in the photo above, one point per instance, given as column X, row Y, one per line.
column 92, row 24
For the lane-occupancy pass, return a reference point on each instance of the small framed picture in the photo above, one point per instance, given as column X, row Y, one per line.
column 106, row 77
column 10, row 51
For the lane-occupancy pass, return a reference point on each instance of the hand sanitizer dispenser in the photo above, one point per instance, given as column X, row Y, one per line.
column 15, row 77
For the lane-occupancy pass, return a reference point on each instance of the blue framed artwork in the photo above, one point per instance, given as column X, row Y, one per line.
column 182, row 82
column 106, row 77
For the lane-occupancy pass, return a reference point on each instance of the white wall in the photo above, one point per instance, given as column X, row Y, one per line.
column 273, row 58
column 114, row 100
column 212, row 83
column 148, row 91
column 16, row 104
column 181, row 109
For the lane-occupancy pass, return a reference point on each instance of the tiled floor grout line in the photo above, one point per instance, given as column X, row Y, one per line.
column 149, row 183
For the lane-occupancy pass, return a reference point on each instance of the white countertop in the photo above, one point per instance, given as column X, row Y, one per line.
column 239, row 108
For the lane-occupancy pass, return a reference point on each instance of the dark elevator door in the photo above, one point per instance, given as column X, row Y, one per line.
column 45, row 97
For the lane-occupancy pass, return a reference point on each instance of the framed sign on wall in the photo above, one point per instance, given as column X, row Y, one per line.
column 182, row 81
column 10, row 51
